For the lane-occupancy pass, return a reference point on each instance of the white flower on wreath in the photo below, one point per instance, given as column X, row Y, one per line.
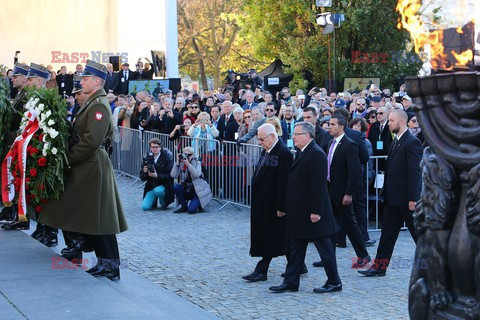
column 48, row 113
column 44, row 153
column 51, row 122
column 54, row 150
column 41, row 107
column 53, row 133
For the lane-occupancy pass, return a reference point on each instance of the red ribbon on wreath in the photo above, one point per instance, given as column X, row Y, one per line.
column 18, row 149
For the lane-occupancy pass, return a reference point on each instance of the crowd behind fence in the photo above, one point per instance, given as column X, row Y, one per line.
column 227, row 167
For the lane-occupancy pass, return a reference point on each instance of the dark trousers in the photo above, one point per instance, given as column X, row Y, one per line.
column 360, row 211
column 326, row 250
column 347, row 221
column 392, row 223
column 106, row 250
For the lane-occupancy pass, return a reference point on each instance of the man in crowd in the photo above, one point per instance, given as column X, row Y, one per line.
column 111, row 81
column 309, row 212
column 225, row 118
column 123, row 79
column 289, row 123
column 401, row 190
column 269, row 193
column 253, row 132
column 64, row 82
column 322, row 138
column 78, row 69
column 407, row 104
column 101, row 217
column 250, row 96
column 215, row 113
column 343, row 177
column 169, row 118
column 380, row 136
column 361, row 108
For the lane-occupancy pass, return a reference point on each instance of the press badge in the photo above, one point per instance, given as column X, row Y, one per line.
column 379, row 145
column 62, row 85
column 236, row 135
column 290, row 143
column 123, row 80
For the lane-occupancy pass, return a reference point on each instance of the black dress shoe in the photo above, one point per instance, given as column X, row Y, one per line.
column 255, row 277
column 318, row 264
column 75, row 258
column 93, row 269
column 361, row 263
column 341, row 245
column 180, row 210
column 283, row 287
column 303, row 271
column 112, row 274
column 17, row 225
column 370, row 242
column 373, row 272
column 7, row 214
column 327, row 288
column 39, row 232
column 50, row 240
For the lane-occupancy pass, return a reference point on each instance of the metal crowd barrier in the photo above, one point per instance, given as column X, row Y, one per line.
column 374, row 192
column 227, row 167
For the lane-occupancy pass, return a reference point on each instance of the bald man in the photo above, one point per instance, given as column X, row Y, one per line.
column 401, row 189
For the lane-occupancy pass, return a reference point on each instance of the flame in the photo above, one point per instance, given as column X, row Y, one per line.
column 422, row 37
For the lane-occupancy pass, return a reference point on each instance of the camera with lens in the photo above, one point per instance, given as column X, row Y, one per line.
column 182, row 156
column 149, row 162
column 281, row 95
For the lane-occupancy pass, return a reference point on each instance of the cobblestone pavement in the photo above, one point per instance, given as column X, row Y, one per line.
column 202, row 257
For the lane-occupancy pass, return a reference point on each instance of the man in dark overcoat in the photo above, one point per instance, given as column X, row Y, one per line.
column 90, row 203
column 309, row 212
column 269, row 193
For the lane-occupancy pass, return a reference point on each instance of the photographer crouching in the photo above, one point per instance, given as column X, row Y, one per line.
column 156, row 168
column 191, row 187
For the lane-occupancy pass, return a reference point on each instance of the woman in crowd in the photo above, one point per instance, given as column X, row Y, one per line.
column 180, row 131
column 207, row 133
column 371, row 118
column 192, row 191
column 179, row 105
column 192, row 112
column 414, row 128
column 139, row 116
column 327, row 112
column 360, row 125
column 209, row 102
column 278, row 127
column 231, row 133
column 246, row 125
column 154, row 122
column 325, row 122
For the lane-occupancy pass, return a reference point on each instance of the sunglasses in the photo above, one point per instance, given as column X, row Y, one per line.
column 271, row 110
column 373, row 117
column 361, row 104
column 414, row 120
column 379, row 113
column 193, row 107
column 247, row 117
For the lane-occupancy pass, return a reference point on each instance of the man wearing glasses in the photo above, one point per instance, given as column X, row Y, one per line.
column 269, row 193
column 361, row 110
column 309, row 213
column 380, row 136
column 270, row 111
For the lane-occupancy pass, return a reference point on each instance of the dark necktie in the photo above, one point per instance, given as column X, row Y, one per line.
column 289, row 128
column 394, row 145
column 125, row 75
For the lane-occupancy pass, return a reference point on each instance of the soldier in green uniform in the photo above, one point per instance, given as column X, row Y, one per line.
column 91, row 203
column 20, row 81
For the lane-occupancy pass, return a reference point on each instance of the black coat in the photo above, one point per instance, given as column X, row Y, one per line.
column 110, row 82
column 307, row 194
column 222, row 128
column 403, row 177
column 344, row 170
column 385, row 136
column 67, row 87
column 358, row 138
column 322, row 137
column 122, row 83
column 168, row 124
column 230, row 130
column 163, row 167
column 269, row 193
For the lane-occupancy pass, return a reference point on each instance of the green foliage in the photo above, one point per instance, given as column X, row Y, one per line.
column 288, row 30
column 6, row 114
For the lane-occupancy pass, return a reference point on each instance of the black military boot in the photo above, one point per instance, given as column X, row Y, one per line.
column 7, row 214
column 39, row 232
column 50, row 239
column 17, row 225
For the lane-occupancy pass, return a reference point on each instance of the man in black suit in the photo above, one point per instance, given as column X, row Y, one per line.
column 111, row 81
column 380, row 136
column 64, row 82
column 123, row 79
column 269, row 194
column 289, row 124
column 309, row 212
column 401, row 189
column 343, row 177
column 322, row 138
column 225, row 118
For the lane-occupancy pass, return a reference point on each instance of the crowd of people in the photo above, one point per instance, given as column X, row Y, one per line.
column 333, row 136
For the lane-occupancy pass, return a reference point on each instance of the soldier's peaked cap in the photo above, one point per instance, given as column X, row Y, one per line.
column 37, row 70
column 77, row 87
column 20, row 69
column 95, row 69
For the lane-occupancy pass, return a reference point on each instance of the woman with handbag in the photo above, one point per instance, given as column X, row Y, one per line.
column 192, row 191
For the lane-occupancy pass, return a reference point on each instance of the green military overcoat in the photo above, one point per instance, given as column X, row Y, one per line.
column 90, row 203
